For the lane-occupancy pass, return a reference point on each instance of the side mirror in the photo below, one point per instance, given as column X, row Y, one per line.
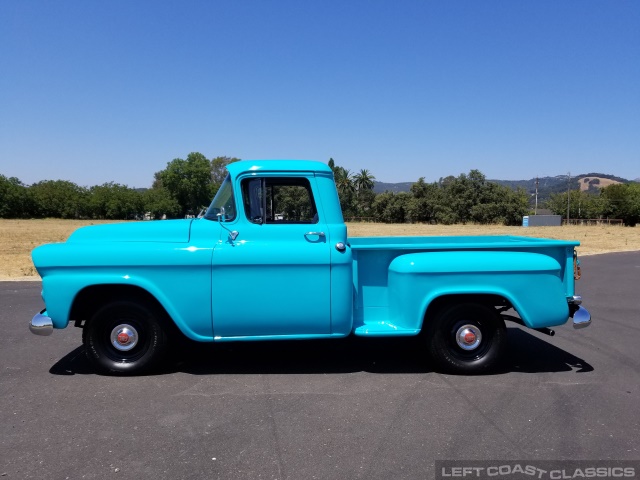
column 221, row 218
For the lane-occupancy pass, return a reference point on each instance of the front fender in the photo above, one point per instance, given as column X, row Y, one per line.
column 177, row 275
column 188, row 306
column 531, row 282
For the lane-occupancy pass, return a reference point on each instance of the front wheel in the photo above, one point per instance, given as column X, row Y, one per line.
column 468, row 338
column 124, row 337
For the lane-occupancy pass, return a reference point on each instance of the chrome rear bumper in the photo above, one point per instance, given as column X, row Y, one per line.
column 580, row 315
column 41, row 324
column 581, row 318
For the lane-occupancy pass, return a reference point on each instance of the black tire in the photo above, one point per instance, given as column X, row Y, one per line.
column 134, row 320
column 459, row 320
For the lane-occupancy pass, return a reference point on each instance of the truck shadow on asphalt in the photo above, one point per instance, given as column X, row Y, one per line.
column 526, row 353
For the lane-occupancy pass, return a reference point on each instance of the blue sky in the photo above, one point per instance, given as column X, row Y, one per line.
column 98, row 91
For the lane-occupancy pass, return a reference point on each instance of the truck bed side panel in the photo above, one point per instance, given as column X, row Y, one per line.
column 532, row 282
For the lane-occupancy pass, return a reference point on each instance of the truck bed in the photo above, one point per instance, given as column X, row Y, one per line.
column 373, row 313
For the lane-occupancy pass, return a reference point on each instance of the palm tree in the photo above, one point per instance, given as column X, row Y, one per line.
column 344, row 181
column 346, row 189
column 364, row 180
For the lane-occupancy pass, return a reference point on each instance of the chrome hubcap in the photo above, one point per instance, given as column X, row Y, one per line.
column 468, row 337
column 124, row 337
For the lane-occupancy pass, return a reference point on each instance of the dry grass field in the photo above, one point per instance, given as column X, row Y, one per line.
column 19, row 237
column 593, row 239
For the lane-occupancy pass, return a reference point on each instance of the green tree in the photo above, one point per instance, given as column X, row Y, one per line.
column 428, row 204
column 581, row 204
column 471, row 198
column 391, row 207
column 58, row 199
column 623, row 201
column 498, row 204
column 466, row 198
column 515, row 205
column 188, row 181
column 364, row 182
column 219, row 171
column 346, row 191
column 557, row 203
column 291, row 200
column 15, row 199
column 463, row 193
column 115, row 202
column 159, row 203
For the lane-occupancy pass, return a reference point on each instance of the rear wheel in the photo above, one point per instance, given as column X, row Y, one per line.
column 125, row 337
column 468, row 338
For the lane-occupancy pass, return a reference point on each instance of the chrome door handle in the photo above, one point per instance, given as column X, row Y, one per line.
column 320, row 234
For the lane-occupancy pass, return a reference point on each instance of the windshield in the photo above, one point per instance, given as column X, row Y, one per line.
column 223, row 203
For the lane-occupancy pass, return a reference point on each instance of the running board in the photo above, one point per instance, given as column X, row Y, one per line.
column 384, row 329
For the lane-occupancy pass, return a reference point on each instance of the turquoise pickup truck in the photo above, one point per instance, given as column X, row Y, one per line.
column 271, row 260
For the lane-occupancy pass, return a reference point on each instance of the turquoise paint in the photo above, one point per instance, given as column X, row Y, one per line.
column 384, row 329
column 278, row 281
column 522, row 270
column 428, row 276
column 286, row 167
column 458, row 243
column 177, row 274
column 168, row 231
column 294, row 283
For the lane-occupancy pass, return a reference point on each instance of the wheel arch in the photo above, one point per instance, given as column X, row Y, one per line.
column 84, row 305
column 438, row 302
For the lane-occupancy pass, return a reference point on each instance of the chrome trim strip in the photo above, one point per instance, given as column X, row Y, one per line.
column 576, row 300
column 581, row 318
column 41, row 325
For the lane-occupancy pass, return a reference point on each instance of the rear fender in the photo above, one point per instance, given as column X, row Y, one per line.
column 531, row 282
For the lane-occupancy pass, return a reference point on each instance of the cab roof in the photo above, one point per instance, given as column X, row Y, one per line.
column 246, row 166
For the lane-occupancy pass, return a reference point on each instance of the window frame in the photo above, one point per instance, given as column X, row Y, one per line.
column 278, row 181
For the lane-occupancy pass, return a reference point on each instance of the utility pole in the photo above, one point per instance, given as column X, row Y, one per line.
column 535, row 212
column 568, row 195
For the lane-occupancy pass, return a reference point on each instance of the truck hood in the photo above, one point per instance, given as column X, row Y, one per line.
column 165, row 231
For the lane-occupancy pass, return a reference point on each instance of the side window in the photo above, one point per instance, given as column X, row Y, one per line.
column 278, row 200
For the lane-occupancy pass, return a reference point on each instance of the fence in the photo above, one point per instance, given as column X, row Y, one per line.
column 593, row 221
column 362, row 219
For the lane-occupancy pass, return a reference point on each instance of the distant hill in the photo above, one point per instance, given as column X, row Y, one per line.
column 381, row 187
column 546, row 185
column 592, row 182
column 595, row 183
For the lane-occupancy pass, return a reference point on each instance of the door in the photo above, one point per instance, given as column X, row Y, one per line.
column 274, row 278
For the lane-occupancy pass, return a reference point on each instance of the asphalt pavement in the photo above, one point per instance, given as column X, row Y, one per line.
column 348, row 409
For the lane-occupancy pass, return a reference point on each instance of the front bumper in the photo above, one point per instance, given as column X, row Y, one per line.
column 580, row 315
column 41, row 324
